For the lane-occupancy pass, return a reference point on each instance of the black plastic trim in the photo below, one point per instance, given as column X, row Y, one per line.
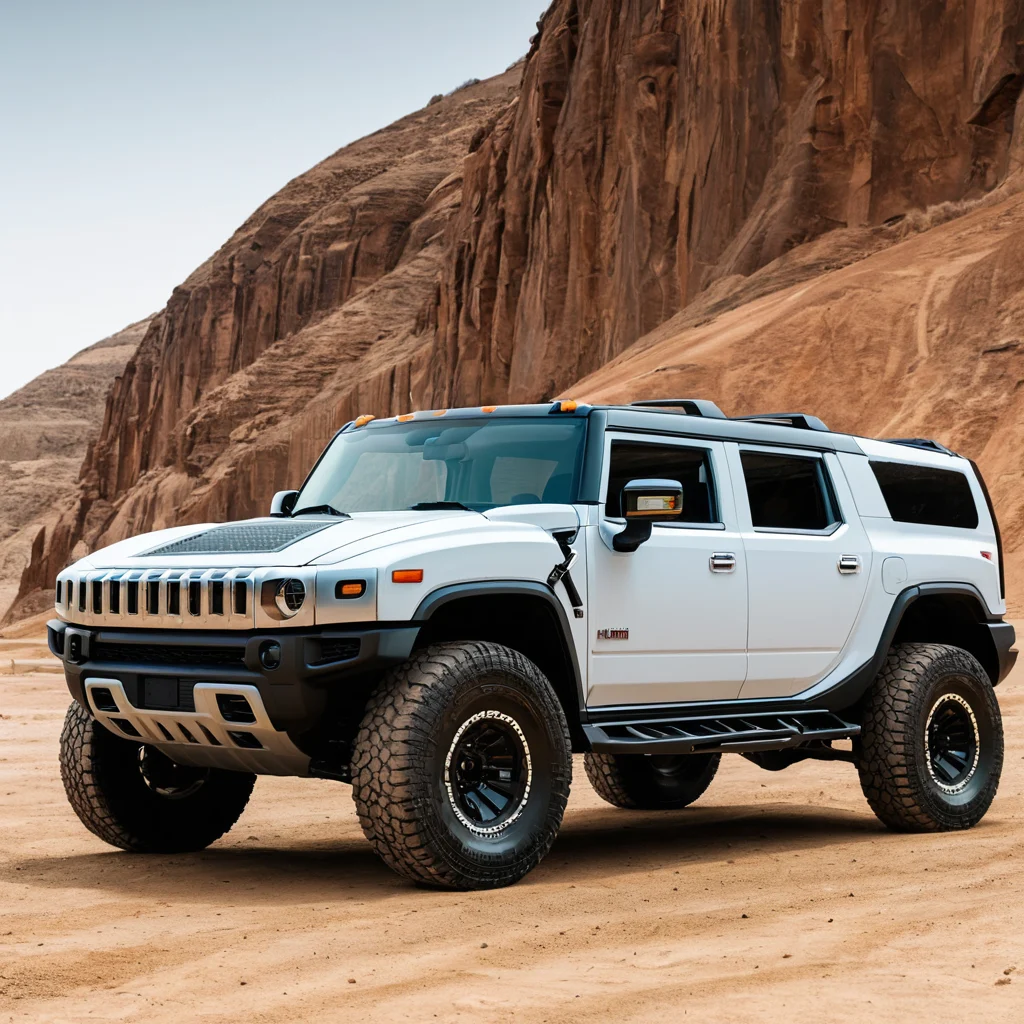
column 735, row 733
column 593, row 459
column 526, row 588
column 1003, row 637
column 294, row 693
column 800, row 420
column 742, row 431
column 690, row 406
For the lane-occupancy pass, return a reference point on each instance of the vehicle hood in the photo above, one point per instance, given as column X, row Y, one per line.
column 265, row 542
column 255, row 543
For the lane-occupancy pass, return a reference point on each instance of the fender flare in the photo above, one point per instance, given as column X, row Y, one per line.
column 522, row 588
column 849, row 690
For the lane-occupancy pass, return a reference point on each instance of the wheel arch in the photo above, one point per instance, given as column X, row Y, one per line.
column 521, row 614
column 949, row 613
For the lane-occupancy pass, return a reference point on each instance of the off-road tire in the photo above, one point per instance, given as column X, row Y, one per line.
column 658, row 783
column 402, row 768
column 899, row 778
column 105, row 785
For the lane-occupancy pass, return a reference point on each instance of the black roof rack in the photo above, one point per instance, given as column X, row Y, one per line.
column 690, row 406
column 920, row 442
column 800, row 420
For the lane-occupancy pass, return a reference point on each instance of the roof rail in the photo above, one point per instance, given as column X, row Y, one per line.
column 920, row 442
column 690, row 406
column 800, row 420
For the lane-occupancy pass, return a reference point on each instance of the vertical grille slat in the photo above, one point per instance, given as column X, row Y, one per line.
column 217, row 597
column 195, row 597
column 241, row 597
column 115, row 597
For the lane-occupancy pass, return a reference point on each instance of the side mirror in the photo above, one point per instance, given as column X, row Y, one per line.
column 283, row 503
column 645, row 502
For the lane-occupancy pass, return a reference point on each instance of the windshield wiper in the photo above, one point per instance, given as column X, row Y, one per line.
column 321, row 510
column 439, row 506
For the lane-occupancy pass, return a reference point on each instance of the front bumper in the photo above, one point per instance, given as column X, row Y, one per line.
column 151, row 674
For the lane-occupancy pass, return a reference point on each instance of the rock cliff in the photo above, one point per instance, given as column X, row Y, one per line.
column 45, row 429
column 652, row 159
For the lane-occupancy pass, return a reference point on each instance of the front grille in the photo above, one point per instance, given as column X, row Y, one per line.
column 337, row 650
column 160, row 654
column 159, row 598
column 243, row 538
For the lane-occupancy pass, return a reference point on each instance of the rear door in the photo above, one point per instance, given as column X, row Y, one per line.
column 808, row 562
column 668, row 622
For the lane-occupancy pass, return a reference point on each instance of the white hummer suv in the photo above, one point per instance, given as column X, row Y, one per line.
column 458, row 600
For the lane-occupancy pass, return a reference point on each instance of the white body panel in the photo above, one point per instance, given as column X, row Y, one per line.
column 802, row 610
column 687, row 626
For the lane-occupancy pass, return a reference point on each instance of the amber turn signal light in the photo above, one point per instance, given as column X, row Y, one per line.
column 407, row 576
column 349, row 589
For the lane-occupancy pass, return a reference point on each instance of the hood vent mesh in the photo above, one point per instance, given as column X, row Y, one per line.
column 242, row 539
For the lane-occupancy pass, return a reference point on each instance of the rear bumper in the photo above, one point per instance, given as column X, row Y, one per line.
column 1003, row 637
column 314, row 666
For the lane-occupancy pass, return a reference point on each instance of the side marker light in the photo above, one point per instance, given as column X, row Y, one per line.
column 407, row 576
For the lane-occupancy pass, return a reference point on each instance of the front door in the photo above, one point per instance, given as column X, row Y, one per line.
column 668, row 622
column 808, row 562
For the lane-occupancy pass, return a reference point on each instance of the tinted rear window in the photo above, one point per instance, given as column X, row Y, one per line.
column 924, row 494
column 787, row 492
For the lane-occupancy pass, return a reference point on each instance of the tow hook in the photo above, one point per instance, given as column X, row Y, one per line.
column 561, row 572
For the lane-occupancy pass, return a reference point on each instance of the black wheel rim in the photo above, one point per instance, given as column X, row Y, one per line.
column 952, row 743
column 488, row 772
column 167, row 778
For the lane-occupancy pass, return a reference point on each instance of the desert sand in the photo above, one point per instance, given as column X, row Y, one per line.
column 775, row 898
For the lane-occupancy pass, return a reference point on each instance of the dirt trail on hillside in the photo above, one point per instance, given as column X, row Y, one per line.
column 776, row 898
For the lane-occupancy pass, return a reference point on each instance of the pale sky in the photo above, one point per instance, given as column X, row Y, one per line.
column 136, row 135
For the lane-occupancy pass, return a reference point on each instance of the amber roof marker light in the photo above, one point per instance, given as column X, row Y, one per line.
column 361, row 421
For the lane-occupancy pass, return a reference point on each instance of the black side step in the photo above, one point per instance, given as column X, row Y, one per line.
column 724, row 734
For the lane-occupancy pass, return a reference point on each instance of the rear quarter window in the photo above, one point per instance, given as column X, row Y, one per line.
column 926, row 495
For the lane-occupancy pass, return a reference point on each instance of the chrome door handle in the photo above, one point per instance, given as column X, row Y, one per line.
column 849, row 564
column 723, row 561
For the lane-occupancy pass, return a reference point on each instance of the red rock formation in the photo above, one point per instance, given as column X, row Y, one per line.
column 659, row 145
column 45, row 428
column 656, row 151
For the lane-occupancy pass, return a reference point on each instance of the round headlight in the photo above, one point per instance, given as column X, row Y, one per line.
column 289, row 597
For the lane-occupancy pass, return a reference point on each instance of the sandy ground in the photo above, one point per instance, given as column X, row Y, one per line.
column 777, row 897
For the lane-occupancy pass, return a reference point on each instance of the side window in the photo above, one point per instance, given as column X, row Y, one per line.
column 923, row 494
column 788, row 492
column 632, row 460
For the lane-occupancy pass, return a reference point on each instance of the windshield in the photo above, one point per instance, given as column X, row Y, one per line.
column 470, row 464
